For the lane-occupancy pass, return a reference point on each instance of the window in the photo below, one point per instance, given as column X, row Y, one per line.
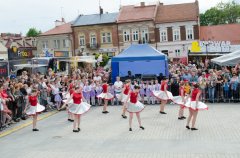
column 65, row 43
column 57, row 44
column 144, row 36
column 45, row 44
column 176, row 35
column 135, row 35
column 163, row 36
column 106, row 38
column 93, row 40
column 126, row 35
column 82, row 40
column 177, row 52
column 189, row 33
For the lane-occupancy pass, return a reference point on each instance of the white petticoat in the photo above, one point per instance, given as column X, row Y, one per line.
column 119, row 96
column 79, row 108
column 192, row 105
column 124, row 98
column 66, row 97
column 33, row 110
column 105, row 96
column 135, row 108
column 162, row 95
column 178, row 100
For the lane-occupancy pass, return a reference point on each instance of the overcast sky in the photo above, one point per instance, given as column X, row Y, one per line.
column 19, row 15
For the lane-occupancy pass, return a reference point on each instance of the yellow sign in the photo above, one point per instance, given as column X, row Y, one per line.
column 195, row 47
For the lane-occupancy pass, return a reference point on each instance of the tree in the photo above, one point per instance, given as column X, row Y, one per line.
column 222, row 13
column 105, row 59
column 33, row 32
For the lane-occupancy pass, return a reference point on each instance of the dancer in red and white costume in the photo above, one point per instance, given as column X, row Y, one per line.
column 35, row 108
column 181, row 100
column 125, row 94
column 194, row 105
column 106, row 96
column 77, row 108
column 164, row 95
column 134, row 106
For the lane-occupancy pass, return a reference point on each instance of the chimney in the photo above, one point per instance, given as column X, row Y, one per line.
column 142, row 4
column 100, row 10
column 59, row 22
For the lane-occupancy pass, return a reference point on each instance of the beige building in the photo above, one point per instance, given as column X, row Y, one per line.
column 95, row 33
column 136, row 25
column 56, row 42
column 3, row 51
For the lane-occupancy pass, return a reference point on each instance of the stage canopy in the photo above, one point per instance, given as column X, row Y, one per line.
column 139, row 59
column 230, row 59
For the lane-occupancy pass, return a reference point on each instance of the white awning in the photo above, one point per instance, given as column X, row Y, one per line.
column 230, row 59
column 30, row 65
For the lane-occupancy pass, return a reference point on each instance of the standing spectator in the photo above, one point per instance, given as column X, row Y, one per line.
column 211, row 86
column 234, row 88
column 202, row 80
column 118, row 85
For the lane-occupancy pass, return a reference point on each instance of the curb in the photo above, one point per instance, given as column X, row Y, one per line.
column 28, row 123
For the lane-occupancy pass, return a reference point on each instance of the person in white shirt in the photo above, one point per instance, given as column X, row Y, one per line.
column 118, row 85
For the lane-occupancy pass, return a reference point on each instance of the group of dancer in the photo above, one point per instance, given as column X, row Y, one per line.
column 131, row 102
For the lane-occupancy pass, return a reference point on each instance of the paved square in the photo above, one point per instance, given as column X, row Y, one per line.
column 107, row 136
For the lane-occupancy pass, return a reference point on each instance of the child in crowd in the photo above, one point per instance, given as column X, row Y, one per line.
column 152, row 88
column 148, row 91
column 142, row 90
column 98, row 91
column 86, row 92
column 93, row 93
column 112, row 91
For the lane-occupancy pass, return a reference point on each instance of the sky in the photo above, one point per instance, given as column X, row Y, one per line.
column 17, row 16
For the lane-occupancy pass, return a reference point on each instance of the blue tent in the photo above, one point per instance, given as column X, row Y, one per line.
column 139, row 59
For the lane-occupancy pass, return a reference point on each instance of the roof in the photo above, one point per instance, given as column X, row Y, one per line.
column 140, row 51
column 94, row 19
column 133, row 13
column 177, row 12
column 230, row 59
column 62, row 29
column 226, row 32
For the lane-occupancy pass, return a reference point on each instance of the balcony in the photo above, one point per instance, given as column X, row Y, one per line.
column 93, row 46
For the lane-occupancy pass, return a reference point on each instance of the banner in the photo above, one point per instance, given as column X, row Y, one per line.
column 20, row 53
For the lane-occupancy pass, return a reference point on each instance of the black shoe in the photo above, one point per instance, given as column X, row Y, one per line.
column 187, row 127
column 75, row 130
column 183, row 117
column 124, row 116
column 194, row 129
column 105, row 112
column 130, row 129
column 79, row 129
column 35, row 129
column 162, row 112
column 142, row 127
column 180, row 118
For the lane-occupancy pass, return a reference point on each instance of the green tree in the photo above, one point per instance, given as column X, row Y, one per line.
column 222, row 13
column 33, row 32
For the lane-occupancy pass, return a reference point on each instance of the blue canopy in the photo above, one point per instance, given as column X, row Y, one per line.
column 139, row 59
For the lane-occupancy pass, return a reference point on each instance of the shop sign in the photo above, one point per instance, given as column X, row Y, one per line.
column 211, row 46
column 20, row 53
column 61, row 54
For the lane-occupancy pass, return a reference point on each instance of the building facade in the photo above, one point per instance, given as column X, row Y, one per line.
column 96, row 33
column 20, row 50
column 136, row 25
column 55, row 45
column 178, row 27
